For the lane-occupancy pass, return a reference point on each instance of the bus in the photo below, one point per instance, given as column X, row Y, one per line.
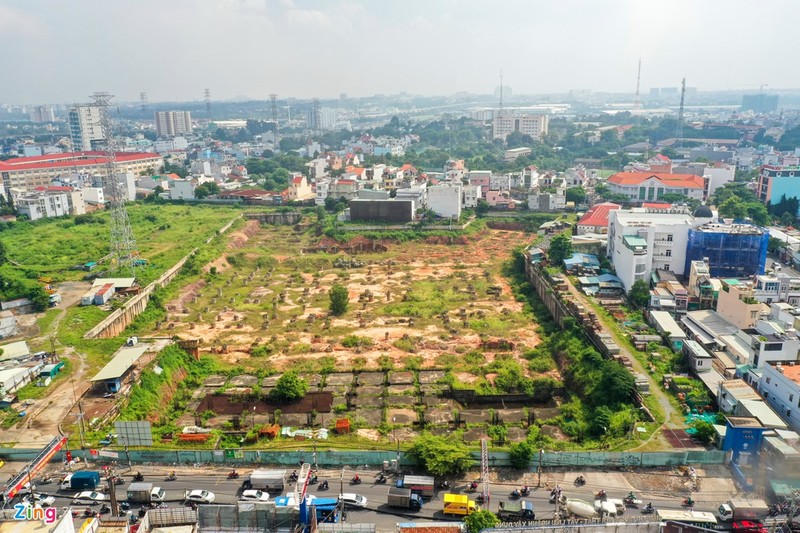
column 695, row 518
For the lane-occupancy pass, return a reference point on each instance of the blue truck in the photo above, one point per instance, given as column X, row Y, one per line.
column 327, row 509
column 81, row 480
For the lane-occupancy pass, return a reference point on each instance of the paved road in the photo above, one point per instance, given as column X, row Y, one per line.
column 227, row 491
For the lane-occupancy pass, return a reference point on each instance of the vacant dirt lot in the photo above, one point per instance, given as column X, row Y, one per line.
column 266, row 305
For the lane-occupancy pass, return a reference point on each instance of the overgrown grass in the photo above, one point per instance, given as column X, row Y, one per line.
column 45, row 322
column 33, row 392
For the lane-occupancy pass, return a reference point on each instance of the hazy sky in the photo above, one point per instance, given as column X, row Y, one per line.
column 63, row 50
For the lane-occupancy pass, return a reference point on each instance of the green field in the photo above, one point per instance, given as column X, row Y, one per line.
column 163, row 234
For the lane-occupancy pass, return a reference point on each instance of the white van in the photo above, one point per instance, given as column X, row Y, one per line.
column 606, row 508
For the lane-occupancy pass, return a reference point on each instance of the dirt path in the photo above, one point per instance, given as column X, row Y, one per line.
column 655, row 389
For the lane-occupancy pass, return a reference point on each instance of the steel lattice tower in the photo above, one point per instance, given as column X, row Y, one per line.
column 273, row 100
column 123, row 246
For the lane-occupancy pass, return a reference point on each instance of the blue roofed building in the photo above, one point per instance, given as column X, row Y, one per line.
column 582, row 263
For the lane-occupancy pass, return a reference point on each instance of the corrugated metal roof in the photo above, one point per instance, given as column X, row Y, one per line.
column 125, row 358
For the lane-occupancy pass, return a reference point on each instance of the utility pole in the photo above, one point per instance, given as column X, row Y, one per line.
column 485, row 470
column 341, row 482
column 539, row 481
column 112, row 493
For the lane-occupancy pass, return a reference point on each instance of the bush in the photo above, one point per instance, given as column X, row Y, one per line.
column 339, row 299
column 354, row 341
column 441, row 456
column 290, row 386
column 521, row 455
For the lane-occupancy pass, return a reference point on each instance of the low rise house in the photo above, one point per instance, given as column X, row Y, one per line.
column 596, row 219
column 780, row 387
column 472, row 193
column 445, row 200
column 733, row 391
column 666, row 326
column 699, row 359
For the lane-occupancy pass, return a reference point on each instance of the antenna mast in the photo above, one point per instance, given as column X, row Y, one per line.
column 273, row 100
column 123, row 247
column 637, row 104
column 207, row 95
column 501, row 91
column 679, row 129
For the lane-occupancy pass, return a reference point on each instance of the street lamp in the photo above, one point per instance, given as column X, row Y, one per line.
column 539, row 481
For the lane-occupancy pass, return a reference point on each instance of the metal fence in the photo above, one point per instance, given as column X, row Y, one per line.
column 546, row 459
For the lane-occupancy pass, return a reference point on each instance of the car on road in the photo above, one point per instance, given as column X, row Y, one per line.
column 252, row 495
column 90, row 496
column 353, row 500
column 199, row 496
column 44, row 501
column 748, row 526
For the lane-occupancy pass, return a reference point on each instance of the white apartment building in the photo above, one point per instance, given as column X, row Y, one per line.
column 471, row 195
column 445, row 200
column 38, row 205
column 94, row 195
column 321, row 192
column 500, row 182
column 780, row 387
column 639, row 243
column 507, row 121
column 182, row 189
column 172, row 123
column 85, row 129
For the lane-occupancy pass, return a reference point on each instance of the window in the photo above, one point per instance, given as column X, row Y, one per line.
column 753, row 314
column 791, row 397
column 669, row 253
column 773, row 347
column 669, row 238
column 788, row 413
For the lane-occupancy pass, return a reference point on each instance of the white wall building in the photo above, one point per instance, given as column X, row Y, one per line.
column 38, row 205
column 94, row 195
column 172, row 123
column 651, row 186
column 181, row 189
column 507, row 121
column 322, row 192
column 471, row 193
column 84, row 127
column 780, row 387
column 639, row 243
column 445, row 200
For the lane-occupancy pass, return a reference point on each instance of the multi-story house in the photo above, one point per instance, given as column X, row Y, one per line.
column 650, row 186
column 780, row 387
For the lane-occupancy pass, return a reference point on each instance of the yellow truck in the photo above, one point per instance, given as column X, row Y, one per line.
column 458, row 504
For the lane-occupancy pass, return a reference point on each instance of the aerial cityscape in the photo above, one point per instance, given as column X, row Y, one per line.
column 449, row 267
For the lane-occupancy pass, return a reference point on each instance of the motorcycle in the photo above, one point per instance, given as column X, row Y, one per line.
column 688, row 502
column 118, row 480
column 312, row 480
column 45, row 480
column 601, row 495
column 233, row 474
column 479, row 499
column 323, row 485
column 648, row 509
column 514, row 494
column 293, row 476
column 444, row 485
column 380, row 479
column 525, row 490
column 580, row 481
column 138, row 477
column 472, row 487
column 89, row 513
column 355, row 481
column 631, row 501
column 142, row 512
column 124, row 506
column 105, row 509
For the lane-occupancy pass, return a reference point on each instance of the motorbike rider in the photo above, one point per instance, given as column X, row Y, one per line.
column 631, row 496
column 172, row 475
column 689, row 501
column 356, row 479
column 649, row 506
column 581, row 479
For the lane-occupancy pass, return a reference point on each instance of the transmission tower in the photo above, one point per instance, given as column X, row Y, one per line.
column 637, row 103
column 485, row 471
column 679, row 128
column 501, row 92
column 273, row 100
column 207, row 95
column 123, row 247
column 143, row 99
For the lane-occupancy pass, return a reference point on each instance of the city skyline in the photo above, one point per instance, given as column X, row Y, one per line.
column 62, row 52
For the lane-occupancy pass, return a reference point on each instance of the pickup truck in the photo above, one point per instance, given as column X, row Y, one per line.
column 516, row 511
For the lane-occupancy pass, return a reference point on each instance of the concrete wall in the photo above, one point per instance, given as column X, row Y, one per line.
column 278, row 219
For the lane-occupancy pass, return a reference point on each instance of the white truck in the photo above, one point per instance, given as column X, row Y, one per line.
column 734, row 510
column 144, row 493
column 266, row 480
column 579, row 508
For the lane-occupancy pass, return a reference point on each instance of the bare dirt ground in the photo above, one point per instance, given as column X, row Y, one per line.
column 286, row 307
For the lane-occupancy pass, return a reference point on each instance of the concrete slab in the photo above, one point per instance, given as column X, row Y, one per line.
column 516, row 434
column 401, row 378
column 270, row 381
column 369, row 391
column 337, row 390
column 428, row 377
column 436, row 401
column 313, row 379
column 371, row 417
column 475, row 416
column 215, row 380
column 371, row 378
column 339, row 378
column 408, row 390
column 432, row 390
column 367, row 401
column 294, row 420
column 439, row 416
column 440, row 431
column 512, row 416
column 244, row 381
column 545, row 413
column 404, row 417
column 402, row 400
column 474, row 435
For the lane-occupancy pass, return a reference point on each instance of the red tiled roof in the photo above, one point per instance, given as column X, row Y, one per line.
column 345, row 181
column 172, row 176
column 70, row 159
column 358, row 171
column 297, row 180
column 598, row 214
column 657, row 205
column 408, row 166
column 55, row 188
column 661, row 157
column 685, row 181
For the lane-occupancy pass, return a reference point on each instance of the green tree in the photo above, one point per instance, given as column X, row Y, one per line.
column 339, row 299
column 560, row 249
column 482, row 208
column 480, row 520
column 704, row 431
column 3, row 253
column 788, row 219
column 639, row 295
column 733, row 208
column 521, row 455
column 206, row 189
column 775, row 245
column 290, row 386
column 441, row 456
column 576, row 194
